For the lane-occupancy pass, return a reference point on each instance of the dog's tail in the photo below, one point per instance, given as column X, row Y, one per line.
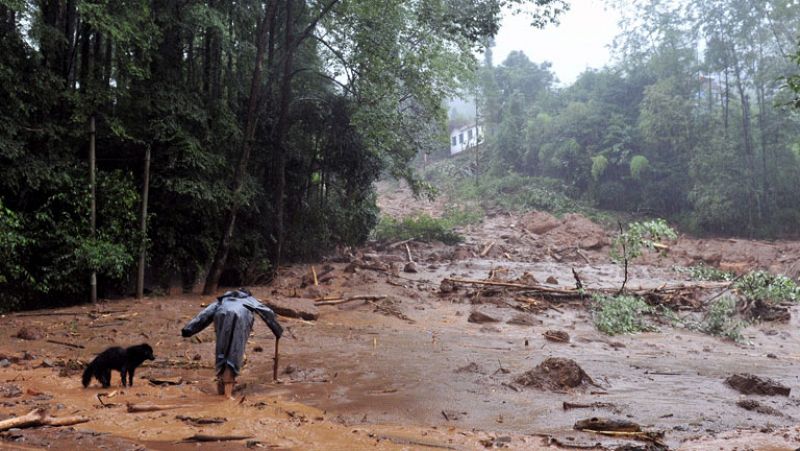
column 87, row 374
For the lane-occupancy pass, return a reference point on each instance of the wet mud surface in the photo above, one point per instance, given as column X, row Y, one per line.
column 409, row 371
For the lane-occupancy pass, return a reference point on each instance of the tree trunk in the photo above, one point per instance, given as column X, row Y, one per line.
column 281, row 129
column 143, row 225
column 221, row 256
column 93, row 217
column 83, row 76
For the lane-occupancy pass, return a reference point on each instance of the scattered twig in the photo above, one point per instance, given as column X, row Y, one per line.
column 486, row 249
column 107, row 395
column 64, row 343
column 201, row 420
column 600, row 405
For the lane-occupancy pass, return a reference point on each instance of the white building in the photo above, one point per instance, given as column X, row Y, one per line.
column 465, row 137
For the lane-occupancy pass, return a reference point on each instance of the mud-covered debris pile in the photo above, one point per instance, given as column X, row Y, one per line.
column 30, row 333
column 573, row 230
column 555, row 373
column 750, row 384
column 755, row 406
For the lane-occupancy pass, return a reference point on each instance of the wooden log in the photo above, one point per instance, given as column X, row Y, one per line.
column 39, row 417
column 216, row 438
column 600, row 405
column 314, row 273
column 64, row 343
column 408, row 253
column 576, row 293
column 138, row 408
column 275, row 363
column 486, row 249
column 352, row 298
column 400, row 243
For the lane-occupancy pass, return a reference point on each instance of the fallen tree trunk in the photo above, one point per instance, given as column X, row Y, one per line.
column 137, row 408
column 216, row 438
column 39, row 417
column 350, row 299
column 574, row 293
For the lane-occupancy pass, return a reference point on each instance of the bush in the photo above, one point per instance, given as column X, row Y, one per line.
column 706, row 273
column 421, row 227
column 772, row 289
column 721, row 320
column 622, row 314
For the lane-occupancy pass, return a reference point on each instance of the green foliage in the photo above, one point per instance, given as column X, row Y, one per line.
column 599, row 165
column 421, row 227
column 769, row 288
column 12, row 244
column 638, row 165
column 640, row 235
column 614, row 315
column 706, row 273
column 721, row 320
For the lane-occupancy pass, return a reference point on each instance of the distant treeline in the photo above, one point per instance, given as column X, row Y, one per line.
column 694, row 121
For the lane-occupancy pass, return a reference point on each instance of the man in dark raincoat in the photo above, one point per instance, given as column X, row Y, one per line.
column 232, row 315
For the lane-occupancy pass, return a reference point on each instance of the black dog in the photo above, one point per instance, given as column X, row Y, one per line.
column 124, row 360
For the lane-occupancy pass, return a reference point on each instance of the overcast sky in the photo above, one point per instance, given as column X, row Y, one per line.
column 580, row 41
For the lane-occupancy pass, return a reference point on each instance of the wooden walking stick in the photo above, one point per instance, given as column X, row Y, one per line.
column 275, row 365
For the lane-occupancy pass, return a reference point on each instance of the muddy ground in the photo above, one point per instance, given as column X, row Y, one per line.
column 409, row 371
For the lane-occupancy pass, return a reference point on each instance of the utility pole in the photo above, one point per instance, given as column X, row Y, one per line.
column 143, row 225
column 93, row 221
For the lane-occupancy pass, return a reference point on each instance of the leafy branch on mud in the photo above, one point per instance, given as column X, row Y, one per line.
column 630, row 243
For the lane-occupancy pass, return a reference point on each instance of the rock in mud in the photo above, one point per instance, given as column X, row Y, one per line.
column 30, row 333
column 557, row 335
column 752, row 404
column 552, row 280
column 294, row 308
column 410, row 267
column 5, row 363
column 453, row 415
column 524, row 320
column 555, row 373
column 10, row 391
column 764, row 311
column 71, row 368
column 591, row 243
column 472, row 367
column 607, row 424
column 539, row 222
column 754, row 385
column 481, row 318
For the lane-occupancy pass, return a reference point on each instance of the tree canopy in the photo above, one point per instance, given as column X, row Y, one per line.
column 266, row 121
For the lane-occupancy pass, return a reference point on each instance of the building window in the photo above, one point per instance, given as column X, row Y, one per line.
column 461, row 138
column 453, row 141
column 469, row 135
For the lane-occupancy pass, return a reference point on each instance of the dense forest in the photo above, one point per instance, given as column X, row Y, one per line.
column 694, row 121
column 222, row 138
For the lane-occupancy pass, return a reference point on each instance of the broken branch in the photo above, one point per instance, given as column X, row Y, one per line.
column 350, row 299
column 39, row 417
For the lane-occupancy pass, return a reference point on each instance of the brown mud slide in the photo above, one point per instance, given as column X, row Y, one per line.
column 374, row 358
